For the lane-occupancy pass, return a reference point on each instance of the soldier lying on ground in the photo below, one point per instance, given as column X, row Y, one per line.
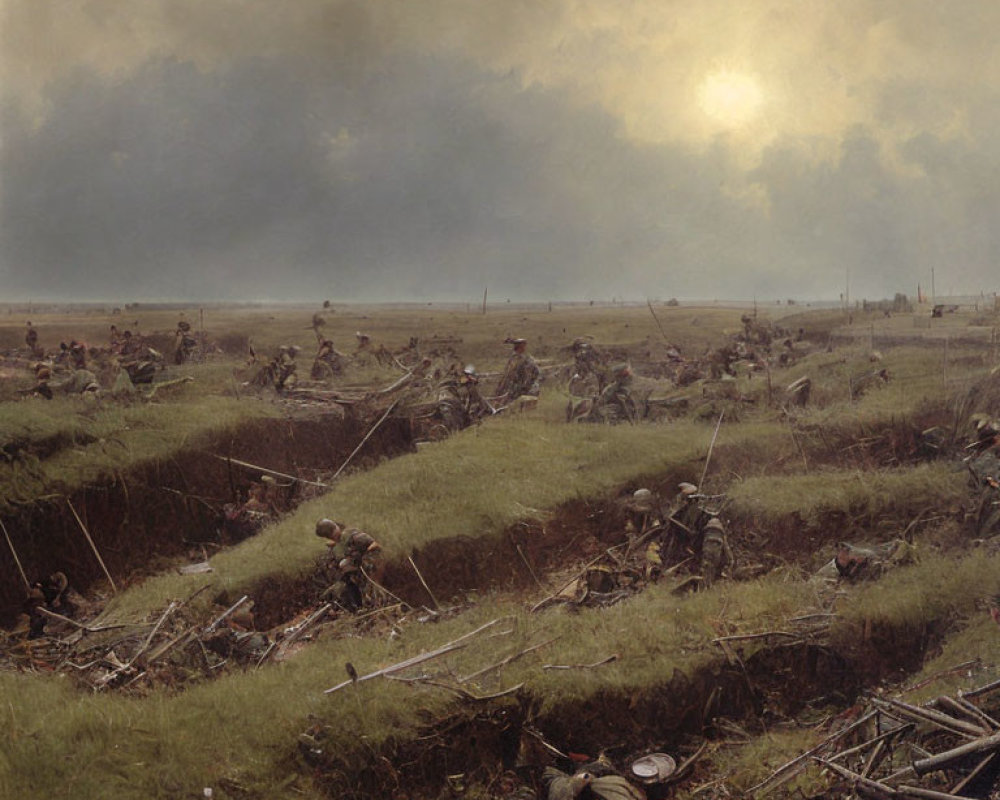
column 854, row 563
column 351, row 556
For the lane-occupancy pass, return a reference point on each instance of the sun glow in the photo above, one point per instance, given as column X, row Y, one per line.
column 730, row 98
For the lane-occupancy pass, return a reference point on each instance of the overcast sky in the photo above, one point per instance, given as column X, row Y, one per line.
column 550, row 149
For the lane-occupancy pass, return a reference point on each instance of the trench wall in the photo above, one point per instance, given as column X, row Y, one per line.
column 142, row 518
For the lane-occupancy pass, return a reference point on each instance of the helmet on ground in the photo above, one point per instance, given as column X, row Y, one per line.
column 642, row 498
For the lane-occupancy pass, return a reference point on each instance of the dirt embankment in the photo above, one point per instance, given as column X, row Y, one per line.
column 142, row 519
column 487, row 744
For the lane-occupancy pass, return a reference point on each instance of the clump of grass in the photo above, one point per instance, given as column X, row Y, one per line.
column 934, row 589
column 94, row 439
column 812, row 495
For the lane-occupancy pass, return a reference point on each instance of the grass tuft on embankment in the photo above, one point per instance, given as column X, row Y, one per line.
column 85, row 439
column 811, row 495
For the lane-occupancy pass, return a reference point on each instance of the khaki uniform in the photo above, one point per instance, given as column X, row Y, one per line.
column 521, row 376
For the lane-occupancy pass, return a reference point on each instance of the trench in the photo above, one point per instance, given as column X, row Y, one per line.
column 578, row 530
column 157, row 512
column 142, row 520
column 494, row 745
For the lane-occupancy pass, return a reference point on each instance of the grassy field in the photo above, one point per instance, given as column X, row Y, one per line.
column 238, row 733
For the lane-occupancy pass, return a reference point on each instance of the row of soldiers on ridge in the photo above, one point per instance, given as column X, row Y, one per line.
column 77, row 368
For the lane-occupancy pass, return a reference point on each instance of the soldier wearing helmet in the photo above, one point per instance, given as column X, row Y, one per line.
column 521, row 376
column 715, row 552
column 286, row 376
column 614, row 403
column 460, row 402
column 350, row 559
column 688, row 519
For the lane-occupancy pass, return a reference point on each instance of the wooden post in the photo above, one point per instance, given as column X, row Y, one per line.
column 13, row 552
column 944, row 367
column 708, row 458
column 92, row 546
column 375, row 427
column 485, row 290
column 437, row 605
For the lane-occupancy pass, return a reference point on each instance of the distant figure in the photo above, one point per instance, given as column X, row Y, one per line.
column 327, row 361
column 31, row 339
column 186, row 343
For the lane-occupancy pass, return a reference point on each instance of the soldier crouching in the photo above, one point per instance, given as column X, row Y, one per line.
column 351, row 557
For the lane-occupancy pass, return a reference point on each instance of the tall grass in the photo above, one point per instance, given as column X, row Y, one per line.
column 94, row 438
column 812, row 495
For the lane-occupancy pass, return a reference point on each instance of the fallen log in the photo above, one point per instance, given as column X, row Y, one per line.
column 87, row 628
column 505, row 661
column 928, row 794
column 311, row 620
column 215, row 623
column 780, row 775
column 866, row 786
column 457, row 644
column 948, row 757
column 267, row 471
column 922, row 714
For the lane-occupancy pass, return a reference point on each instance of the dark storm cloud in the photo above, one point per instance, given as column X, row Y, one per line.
column 421, row 178
column 406, row 176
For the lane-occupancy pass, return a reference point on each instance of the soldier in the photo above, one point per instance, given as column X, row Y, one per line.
column 43, row 373
column 31, row 339
column 521, row 376
column 186, row 343
column 587, row 362
column 51, row 593
column 715, row 552
column 689, row 521
column 460, row 402
column 614, row 404
column 78, row 354
column 349, row 558
column 241, row 520
column 286, row 377
column 327, row 361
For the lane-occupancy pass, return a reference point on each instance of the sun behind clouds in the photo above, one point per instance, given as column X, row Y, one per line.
column 730, row 98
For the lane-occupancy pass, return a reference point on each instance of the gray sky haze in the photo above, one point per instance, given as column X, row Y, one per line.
column 551, row 149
